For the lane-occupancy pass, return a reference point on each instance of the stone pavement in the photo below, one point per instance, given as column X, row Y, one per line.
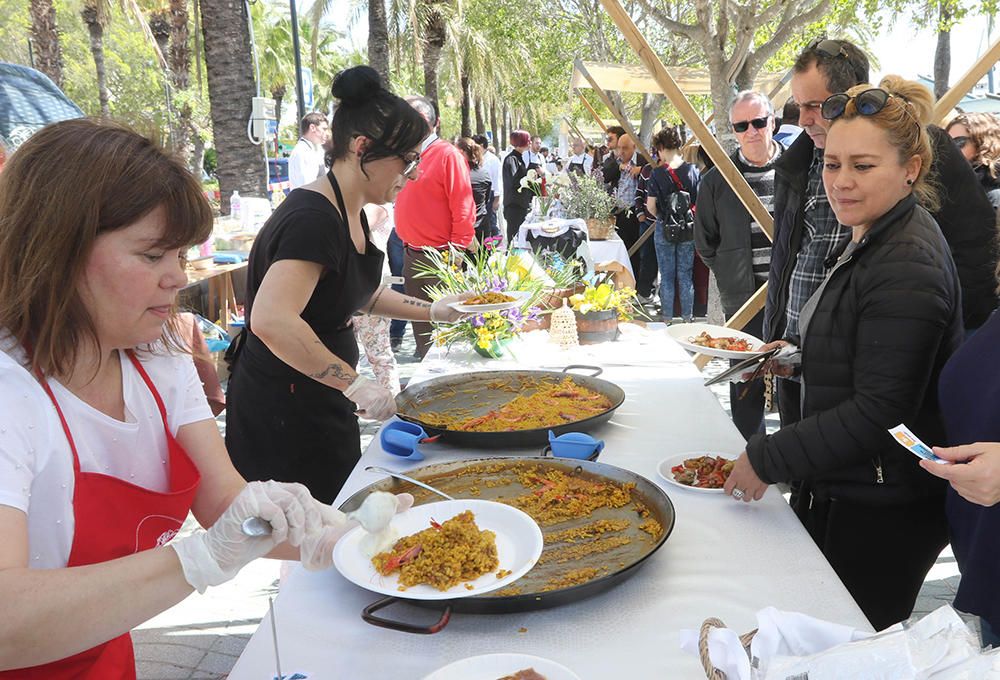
column 201, row 637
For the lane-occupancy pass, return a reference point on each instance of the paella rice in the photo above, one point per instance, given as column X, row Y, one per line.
column 442, row 555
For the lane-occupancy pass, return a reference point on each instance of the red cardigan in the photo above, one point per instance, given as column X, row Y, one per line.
column 437, row 208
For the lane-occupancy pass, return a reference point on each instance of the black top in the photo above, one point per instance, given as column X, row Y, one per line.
column 513, row 171
column 481, row 187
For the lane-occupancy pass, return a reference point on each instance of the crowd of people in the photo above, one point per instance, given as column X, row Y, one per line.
column 882, row 282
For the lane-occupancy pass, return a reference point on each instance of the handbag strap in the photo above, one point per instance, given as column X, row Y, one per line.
column 677, row 181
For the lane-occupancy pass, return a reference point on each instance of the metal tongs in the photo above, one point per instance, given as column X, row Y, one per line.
column 757, row 363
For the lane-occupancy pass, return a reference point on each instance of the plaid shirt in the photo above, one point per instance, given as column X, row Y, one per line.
column 823, row 237
column 627, row 185
column 641, row 193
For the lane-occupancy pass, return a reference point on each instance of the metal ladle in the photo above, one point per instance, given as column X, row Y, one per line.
column 397, row 475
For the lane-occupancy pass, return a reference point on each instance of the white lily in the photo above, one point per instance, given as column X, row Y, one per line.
column 532, row 174
column 525, row 183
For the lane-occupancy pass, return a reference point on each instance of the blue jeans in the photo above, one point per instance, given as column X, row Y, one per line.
column 395, row 254
column 676, row 260
column 989, row 635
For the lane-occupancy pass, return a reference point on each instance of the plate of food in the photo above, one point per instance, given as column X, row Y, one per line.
column 702, row 471
column 445, row 550
column 715, row 341
column 503, row 667
column 492, row 301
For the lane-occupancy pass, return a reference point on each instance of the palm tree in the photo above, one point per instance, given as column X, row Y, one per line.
column 45, row 40
column 229, row 66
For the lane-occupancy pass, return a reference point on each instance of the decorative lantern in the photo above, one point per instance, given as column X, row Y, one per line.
column 562, row 329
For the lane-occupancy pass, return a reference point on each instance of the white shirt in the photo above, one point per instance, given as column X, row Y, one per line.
column 306, row 163
column 538, row 159
column 585, row 158
column 36, row 463
column 493, row 168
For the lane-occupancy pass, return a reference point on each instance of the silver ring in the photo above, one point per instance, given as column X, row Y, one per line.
column 738, row 494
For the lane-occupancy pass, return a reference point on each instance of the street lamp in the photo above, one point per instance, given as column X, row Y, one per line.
column 299, row 91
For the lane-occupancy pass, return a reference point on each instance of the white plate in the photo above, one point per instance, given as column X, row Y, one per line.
column 519, row 544
column 664, row 468
column 493, row 666
column 519, row 297
column 683, row 331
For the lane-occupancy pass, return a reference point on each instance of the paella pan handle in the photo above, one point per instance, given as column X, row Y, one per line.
column 597, row 370
column 368, row 614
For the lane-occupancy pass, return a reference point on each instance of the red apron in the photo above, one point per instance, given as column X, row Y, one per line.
column 115, row 518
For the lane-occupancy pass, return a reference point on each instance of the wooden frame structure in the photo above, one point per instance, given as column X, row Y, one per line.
column 946, row 103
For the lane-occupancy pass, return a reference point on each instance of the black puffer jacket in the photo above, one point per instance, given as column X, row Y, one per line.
column 884, row 327
column 966, row 219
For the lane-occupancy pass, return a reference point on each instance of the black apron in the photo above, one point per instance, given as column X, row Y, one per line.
column 282, row 424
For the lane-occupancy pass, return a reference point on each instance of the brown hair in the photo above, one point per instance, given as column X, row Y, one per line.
column 984, row 131
column 68, row 184
column 669, row 138
column 904, row 118
column 473, row 152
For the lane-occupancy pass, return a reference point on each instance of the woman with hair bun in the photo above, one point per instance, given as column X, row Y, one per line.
column 977, row 135
column 875, row 337
column 294, row 391
column 516, row 203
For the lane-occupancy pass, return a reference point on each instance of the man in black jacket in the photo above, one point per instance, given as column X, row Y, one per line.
column 610, row 168
column 807, row 235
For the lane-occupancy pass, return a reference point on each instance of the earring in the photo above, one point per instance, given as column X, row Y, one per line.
column 909, row 182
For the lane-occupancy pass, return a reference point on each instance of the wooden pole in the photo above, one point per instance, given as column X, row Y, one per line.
column 690, row 116
column 586, row 105
column 946, row 103
column 576, row 130
column 620, row 115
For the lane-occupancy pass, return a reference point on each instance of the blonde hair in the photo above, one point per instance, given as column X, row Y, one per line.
column 904, row 118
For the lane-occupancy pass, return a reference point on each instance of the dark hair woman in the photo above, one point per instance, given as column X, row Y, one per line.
column 874, row 338
column 516, row 203
column 481, row 185
column 106, row 440
column 294, row 389
column 977, row 135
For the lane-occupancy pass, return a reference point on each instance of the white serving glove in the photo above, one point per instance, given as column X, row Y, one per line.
column 212, row 557
column 374, row 401
column 442, row 313
column 316, row 551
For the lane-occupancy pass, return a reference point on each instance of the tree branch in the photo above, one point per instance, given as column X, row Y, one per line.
column 691, row 32
column 784, row 32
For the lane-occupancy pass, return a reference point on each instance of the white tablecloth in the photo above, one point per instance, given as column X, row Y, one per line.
column 724, row 558
column 611, row 250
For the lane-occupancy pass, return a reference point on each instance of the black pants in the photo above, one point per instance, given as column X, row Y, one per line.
column 628, row 229
column 514, row 216
column 414, row 287
column 645, row 275
column 746, row 399
column 789, row 401
column 881, row 553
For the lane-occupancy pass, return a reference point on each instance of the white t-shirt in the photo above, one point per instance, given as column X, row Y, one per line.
column 492, row 166
column 36, row 463
column 305, row 163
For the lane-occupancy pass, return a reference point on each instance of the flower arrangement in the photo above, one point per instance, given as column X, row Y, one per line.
column 587, row 199
column 535, row 183
column 605, row 297
column 487, row 270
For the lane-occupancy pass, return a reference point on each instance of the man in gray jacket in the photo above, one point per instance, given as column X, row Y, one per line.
column 731, row 243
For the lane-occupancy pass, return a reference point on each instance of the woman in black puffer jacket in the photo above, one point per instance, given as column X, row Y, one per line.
column 876, row 335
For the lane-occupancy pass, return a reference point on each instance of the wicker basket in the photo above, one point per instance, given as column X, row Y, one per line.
column 711, row 672
column 600, row 229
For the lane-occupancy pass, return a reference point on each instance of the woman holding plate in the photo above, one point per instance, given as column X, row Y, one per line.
column 876, row 335
column 294, row 391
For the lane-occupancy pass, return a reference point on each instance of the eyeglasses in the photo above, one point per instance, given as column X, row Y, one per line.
column 867, row 103
column 960, row 142
column 412, row 162
column 744, row 125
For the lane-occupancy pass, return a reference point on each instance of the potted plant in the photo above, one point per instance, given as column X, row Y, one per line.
column 542, row 202
column 588, row 200
column 598, row 310
column 486, row 270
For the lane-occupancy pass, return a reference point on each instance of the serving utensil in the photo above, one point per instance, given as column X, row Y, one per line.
column 274, row 636
column 255, row 526
column 397, row 475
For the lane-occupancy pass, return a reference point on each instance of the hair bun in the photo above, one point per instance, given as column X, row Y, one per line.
column 356, row 85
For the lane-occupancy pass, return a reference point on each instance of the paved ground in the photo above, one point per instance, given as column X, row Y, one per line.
column 201, row 638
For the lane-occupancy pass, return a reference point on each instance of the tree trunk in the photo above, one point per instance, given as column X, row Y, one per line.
column 179, row 56
column 229, row 67
column 278, row 95
column 493, row 125
column 506, row 130
column 378, row 38
column 466, row 106
column 721, row 96
column 45, row 40
column 159, row 26
column 942, row 53
column 435, row 36
column 651, row 105
column 480, row 118
column 89, row 16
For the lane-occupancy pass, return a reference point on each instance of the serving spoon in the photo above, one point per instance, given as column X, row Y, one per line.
column 411, row 480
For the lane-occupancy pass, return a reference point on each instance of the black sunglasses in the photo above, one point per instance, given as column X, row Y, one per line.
column 867, row 103
column 744, row 125
column 960, row 141
column 412, row 161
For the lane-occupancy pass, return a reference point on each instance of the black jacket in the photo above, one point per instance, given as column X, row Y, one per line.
column 611, row 170
column 885, row 325
column 966, row 219
column 512, row 171
column 722, row 237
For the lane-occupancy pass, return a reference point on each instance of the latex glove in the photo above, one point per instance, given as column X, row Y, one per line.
column 316, row 552
column 374, row 401
column 212, row 557
column 442, row 313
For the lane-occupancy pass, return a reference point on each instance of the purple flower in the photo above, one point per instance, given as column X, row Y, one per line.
column 533, row 313
column 492, row 242
column 478, row 321
column 497, row 284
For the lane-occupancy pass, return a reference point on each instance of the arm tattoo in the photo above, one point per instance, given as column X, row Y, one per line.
column 416, row 303
column 375, row 299
column 336, row 370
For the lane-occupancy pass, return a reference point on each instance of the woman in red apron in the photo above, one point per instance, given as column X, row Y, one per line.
column 93, row 218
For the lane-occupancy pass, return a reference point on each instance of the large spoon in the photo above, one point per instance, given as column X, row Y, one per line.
column 397, row 475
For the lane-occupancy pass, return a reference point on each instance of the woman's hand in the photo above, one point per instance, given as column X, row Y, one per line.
column 978, row 479
column 441, row 311
column 743, row 483
column 212, row 557
column 374, row 401
column 316, row 553
column 777, row 366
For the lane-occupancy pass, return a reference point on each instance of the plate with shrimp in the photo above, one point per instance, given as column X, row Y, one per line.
column 491, row 301
column 715, row 341
column 702, row 471
column 447, row 550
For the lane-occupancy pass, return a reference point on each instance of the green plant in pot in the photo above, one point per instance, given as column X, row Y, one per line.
column 598, row 310
column 588, row 200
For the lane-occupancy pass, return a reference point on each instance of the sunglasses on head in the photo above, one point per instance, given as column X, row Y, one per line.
column 744, row 125
column 867, row 103
column 831, row 49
